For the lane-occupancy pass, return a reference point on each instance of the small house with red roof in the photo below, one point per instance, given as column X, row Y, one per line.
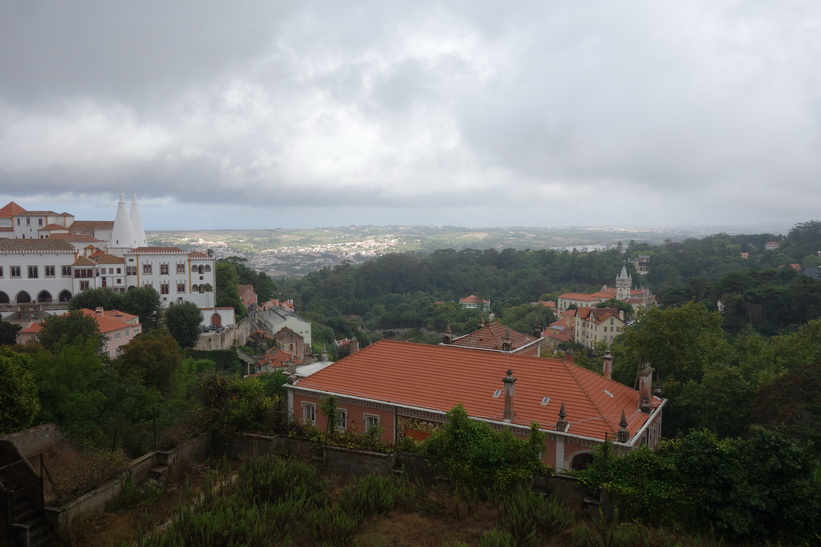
column 597, row 325
column 497, row 337
column 473, row 302
column 118, row 328
column 247, row 295
column 408, row 388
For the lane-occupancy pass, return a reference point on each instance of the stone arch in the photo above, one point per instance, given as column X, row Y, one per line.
column 580, row 460
column 4, row 298
column 216, row 320
column 44, row 296
column 64, row 296
column 23, row 298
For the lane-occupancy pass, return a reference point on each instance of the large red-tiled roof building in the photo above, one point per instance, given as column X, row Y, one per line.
column 407, row 389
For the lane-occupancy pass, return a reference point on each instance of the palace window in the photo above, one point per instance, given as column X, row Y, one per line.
column 163, row 269
column 49, row 271
column 181, row 268
column 34, row 272
column 146, row 268
column 66, row 270
column 180, row 287
column 309, row 413
column 371, row 420
column 164, row 288
column 341, row 419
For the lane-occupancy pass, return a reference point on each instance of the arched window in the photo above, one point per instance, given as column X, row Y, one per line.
column 44, row 296
column 64, row 296
column 4, row 298
column 195, row 288
column 200, row 269
column 581, row 461
column 23, row 298
column 207, row 268
column 216, row 320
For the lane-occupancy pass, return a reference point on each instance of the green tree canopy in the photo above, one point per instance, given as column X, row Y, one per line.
column 72, row 328
column 155, row 356
column 8, row 333
column 184, row 323
column 19, row 401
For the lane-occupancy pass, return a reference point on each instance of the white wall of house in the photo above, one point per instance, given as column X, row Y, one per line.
column 37, row 273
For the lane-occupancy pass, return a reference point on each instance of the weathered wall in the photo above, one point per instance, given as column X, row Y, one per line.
column 224, row 340
column 47, row 439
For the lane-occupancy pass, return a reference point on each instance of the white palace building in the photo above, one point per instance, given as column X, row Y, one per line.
column 47, row 257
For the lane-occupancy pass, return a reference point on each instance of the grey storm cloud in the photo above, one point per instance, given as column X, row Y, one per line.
column 425, row 112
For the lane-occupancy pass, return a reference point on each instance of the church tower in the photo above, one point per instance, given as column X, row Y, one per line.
column 122, row 234
column 624, row 283
column 137, row 223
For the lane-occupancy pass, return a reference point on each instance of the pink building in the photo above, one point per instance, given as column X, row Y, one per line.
column 119, row 328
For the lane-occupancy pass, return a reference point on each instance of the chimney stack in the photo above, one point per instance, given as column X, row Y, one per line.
column 568, row 356
column 506, row 344
column 99, row 311
column 448, row 336
column 607, row 366
column 509, row 382
column 624, row 433
column 645, row 387
column 561, row 425
column 354, row 345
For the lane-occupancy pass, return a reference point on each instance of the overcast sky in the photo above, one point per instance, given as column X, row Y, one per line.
column 266, row 114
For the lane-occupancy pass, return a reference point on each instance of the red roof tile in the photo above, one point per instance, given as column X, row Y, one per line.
column 578, row 296
column 11, row 209
column 440, row 377
column 492, row 337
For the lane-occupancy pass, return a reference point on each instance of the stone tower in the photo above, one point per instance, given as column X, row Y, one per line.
column 624, row 283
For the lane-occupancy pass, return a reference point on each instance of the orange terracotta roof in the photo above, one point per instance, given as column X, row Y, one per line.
column 440, row 377
column 597, row 315
column 6, row 228
column 103, row 258
column 52, row 226
column 11, row 209
column 156, row 250
column 577, row 296
column 473, row 299
column 277, row 358
column 106, row 323
column 492, row 337
column 198, row 254
column 89, row 226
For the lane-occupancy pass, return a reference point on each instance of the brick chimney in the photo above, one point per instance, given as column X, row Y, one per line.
column 624, row 433
column 506, row 345
column 645, row 387
column 354, row 345
column 509, row 382
column 607, row 366
column 98, row 311
column 447, row 338
column 568, row 356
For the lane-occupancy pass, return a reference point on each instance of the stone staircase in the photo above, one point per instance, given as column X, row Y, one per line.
column 28, row 525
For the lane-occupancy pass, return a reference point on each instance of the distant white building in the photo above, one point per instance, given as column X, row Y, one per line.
column 275, row 319
column 47, row 257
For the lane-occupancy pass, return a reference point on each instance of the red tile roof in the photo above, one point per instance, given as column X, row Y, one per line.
column 11, row 209
column 89, row 226
column 107, row 322
column 597, row 315
column 52, row 226
column 492, row 337
column 578, row 296
column 198, row 254
column 440, row 377
column 157, row 250
column 473, row 299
